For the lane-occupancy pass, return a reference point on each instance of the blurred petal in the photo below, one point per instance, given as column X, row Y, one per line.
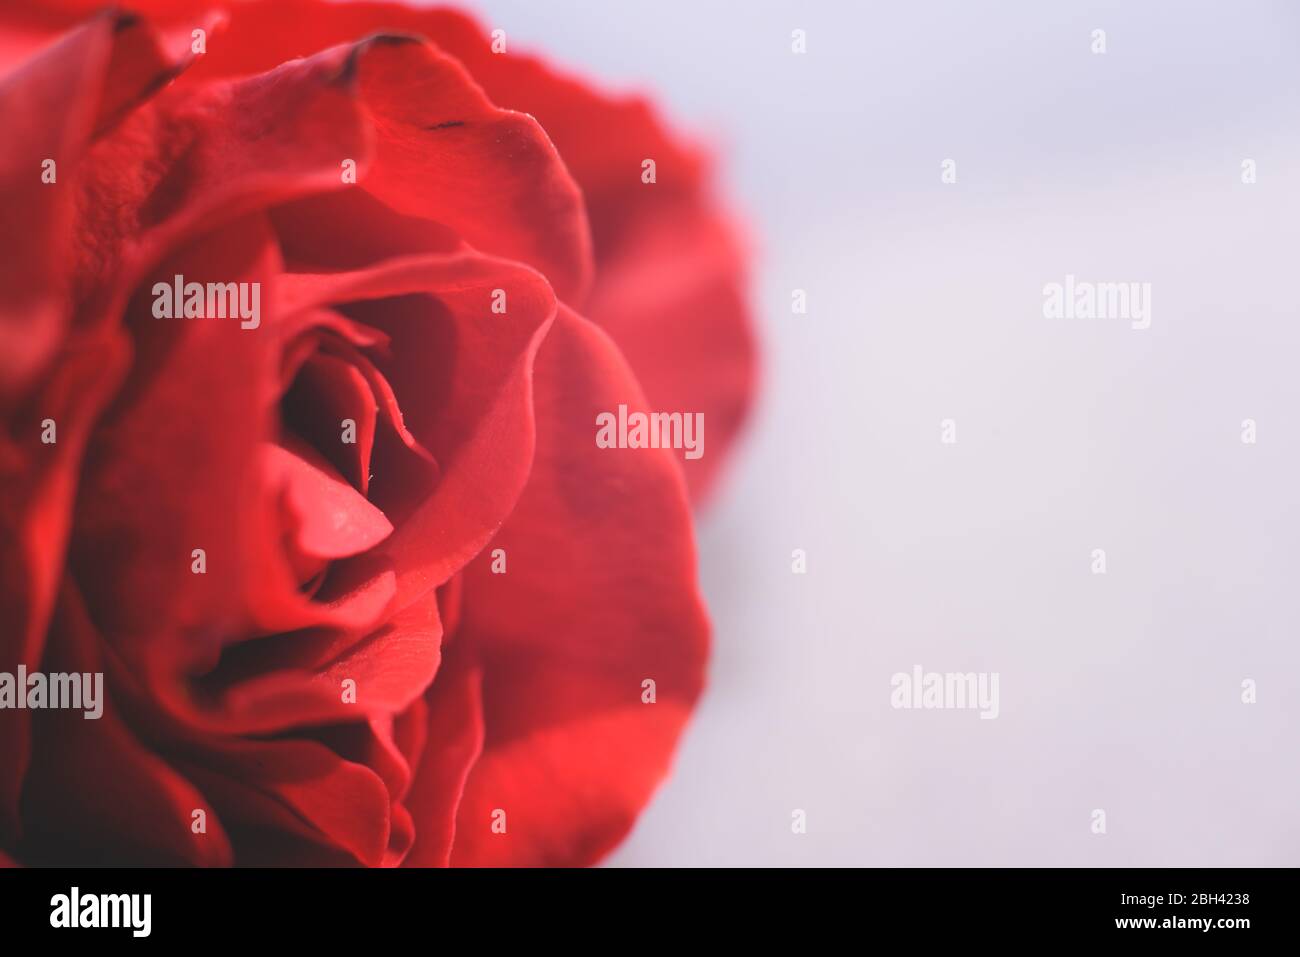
column 672, row 296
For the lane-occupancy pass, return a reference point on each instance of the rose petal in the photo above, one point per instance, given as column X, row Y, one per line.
column 603, row 139
column 331, row 518
column 669, row 267
column 670, row 270
column 443, row 151
column 454, row 742
column 187, row 429
column 571, row 753
column 194, row 159
column 343, row 805
column 139, row 808
column 50, row 109
column 464, row 373
column 36, row 499
column 348, row 230
column 288, row 681
column 327, row 391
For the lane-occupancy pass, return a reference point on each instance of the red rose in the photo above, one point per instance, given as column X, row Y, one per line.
column 305, row 462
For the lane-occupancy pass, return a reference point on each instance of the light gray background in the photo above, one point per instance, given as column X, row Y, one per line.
column 1120, row 691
